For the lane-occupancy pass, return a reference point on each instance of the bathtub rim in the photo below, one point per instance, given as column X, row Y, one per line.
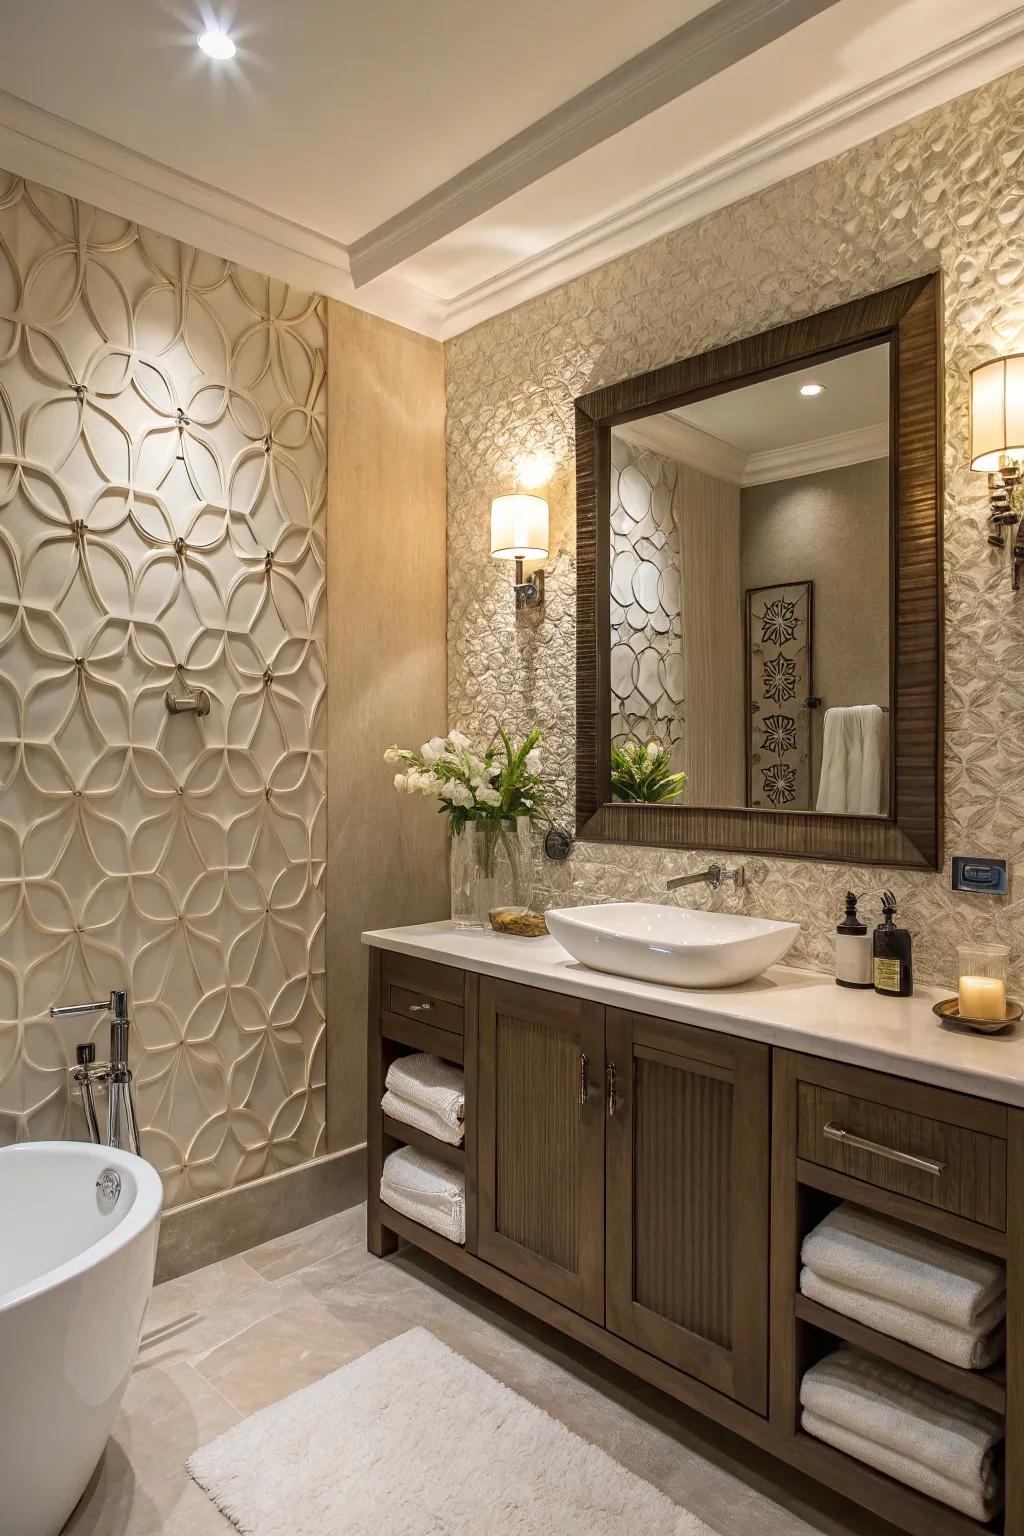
column 145, row 1210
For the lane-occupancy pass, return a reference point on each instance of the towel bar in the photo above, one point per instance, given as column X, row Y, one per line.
column 926, row 1164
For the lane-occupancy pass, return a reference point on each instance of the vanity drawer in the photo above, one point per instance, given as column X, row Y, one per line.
column 891, row 1140
column 420, row 990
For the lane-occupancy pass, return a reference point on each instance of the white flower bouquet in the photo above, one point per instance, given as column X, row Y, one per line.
column 501, row 783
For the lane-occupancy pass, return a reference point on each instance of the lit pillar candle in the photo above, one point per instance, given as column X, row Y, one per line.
column 982, row 997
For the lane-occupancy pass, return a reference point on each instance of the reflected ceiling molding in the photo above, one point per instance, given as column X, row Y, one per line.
column 668, row 434
column 836, row 452
column 687, row 444
column 701, row 48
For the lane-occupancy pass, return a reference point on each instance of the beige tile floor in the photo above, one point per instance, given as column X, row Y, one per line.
column 225, row 1341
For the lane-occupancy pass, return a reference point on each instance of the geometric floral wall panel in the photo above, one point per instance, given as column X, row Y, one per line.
column 941, row 192
column 162, row 504
column 779, row 637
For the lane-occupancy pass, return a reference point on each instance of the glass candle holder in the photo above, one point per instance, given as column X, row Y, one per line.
column 982, row 986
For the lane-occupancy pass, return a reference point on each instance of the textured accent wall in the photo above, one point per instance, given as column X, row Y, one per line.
column 162, row 486
column 942, row 191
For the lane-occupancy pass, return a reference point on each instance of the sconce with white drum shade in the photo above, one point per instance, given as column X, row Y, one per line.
column 997, row 446
column 519, row 532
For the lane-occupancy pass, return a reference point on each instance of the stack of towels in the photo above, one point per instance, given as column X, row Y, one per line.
column 908, row 1284
column 925, row 1437
column 426, row 1190
column 429, row 1093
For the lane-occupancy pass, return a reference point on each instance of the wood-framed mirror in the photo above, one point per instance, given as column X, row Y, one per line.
column 759, row 597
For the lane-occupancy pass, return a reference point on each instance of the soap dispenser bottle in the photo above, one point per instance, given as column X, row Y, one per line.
column 853, row 949
column 892, row 953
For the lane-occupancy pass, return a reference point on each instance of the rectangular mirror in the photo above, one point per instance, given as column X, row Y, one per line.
column 759, row 618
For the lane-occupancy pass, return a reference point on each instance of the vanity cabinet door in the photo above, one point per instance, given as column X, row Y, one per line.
column 688, row 1164
column 540, row 1142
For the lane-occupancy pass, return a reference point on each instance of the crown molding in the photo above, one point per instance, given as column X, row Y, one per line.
column 687, row 444
column 856, row 447
column 984, row 54
column 720, row 36
column 680, row 440
column 47, row 148
column 43, row 147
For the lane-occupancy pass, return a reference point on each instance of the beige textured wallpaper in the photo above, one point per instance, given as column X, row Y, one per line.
column 942, row 191
column 162, row 492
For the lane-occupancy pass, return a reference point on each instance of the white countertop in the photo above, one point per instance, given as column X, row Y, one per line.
column 801, row 1010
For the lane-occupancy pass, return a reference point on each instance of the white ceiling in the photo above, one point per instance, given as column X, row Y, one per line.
column 336, row 116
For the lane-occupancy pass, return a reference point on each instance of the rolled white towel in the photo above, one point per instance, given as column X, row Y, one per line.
column 979, row 1503
column 897, row 1263
column 426, row 1190
column 403, row 1109
column 972, row 1348
column 432, row 1083
column 905, row 1415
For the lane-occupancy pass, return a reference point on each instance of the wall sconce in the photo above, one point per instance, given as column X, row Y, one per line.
column 519, row 531
column 997, row 445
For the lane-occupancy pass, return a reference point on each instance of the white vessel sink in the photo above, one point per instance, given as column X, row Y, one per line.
column 673, row 945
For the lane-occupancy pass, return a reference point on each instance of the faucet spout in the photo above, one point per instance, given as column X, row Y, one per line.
column 115, row 1074
column 715, row 876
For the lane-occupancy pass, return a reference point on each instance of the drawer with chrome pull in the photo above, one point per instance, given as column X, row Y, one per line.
column 419, row 989
column 959, row 1168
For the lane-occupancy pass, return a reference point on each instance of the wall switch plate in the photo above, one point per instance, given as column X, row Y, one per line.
column 986, row 877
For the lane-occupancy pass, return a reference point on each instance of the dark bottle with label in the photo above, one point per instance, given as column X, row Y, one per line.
column 892, row 954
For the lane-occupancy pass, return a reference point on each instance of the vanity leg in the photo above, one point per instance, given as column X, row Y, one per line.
column 1015, row 1323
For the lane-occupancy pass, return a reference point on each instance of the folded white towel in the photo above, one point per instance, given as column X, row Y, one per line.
column 426, row 1190
column 972, row 1348
column 980, row 1503
column 852, row 760
column 400, row 1108
column 894, row 1262
column 432, row 1083
column 905, row 1415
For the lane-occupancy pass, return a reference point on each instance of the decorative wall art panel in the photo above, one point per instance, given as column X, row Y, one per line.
column 779, row 631
column 943, row 192
column 162, row 478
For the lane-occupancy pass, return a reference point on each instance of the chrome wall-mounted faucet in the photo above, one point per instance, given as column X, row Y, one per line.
column 716, row 875
column 116, row 1074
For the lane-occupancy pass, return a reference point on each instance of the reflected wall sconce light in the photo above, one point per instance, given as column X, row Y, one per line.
column 997, row 445
column 519, row 532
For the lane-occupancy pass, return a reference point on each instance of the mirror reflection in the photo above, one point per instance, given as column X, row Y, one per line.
column 750, row 595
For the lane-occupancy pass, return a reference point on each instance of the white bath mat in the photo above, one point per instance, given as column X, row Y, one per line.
column 413, row 1440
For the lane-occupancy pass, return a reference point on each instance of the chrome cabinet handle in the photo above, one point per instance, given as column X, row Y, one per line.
column 420, row 1007
column 584, row 1078
column 925, row 1164
column 610, row 1079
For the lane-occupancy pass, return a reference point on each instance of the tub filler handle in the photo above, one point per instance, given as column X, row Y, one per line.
column 116, row 1074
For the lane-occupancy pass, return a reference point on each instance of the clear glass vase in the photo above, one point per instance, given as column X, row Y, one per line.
column 491, row 867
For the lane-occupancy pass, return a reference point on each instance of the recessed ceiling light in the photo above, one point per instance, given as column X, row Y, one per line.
column 812, row 389
column 216, row 43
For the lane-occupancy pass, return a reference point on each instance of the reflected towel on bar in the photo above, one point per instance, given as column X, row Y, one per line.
column 852, row 759
column 426, row 1190
column 908, row 1418
column 400, row 1108
column 855, row 1248
column 432, row 1083
column 971, row 1348
column 979, row 1503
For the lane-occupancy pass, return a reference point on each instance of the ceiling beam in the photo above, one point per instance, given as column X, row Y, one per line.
column 720, row 36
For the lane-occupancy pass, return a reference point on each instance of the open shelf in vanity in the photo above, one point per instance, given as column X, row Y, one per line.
column 601, row 1155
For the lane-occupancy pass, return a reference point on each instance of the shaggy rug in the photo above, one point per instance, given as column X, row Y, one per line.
column 413, row 1440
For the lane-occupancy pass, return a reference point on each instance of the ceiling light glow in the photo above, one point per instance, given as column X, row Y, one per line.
column 216, row 43
column 812, row 389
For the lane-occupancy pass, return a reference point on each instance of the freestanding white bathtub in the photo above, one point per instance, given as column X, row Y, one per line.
column 76, row 1270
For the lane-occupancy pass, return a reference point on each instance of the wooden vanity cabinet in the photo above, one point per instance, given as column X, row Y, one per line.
column 540, row 1142
column 637, row 1183
column 687, row 1169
